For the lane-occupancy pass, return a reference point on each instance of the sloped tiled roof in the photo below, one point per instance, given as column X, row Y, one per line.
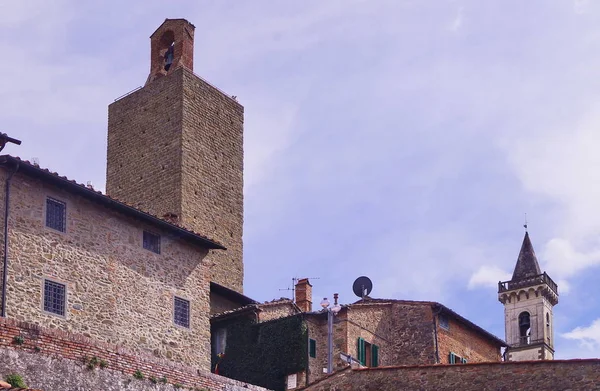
column 527, row 264
column 97, row 196
column 437, row 306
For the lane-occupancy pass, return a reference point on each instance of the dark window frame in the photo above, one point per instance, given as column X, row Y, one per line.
column 50, row 305
column 151, row 241
column 181, row 319
column 53, row 221
column 444, row 322
column 312, row 348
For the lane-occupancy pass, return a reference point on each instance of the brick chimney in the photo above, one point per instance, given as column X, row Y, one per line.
column 303, row 293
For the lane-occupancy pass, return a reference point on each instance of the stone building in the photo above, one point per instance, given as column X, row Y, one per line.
column 131, row 267
column 367, row 333
column 528, row 300
column 175, row 149
column 83, row 262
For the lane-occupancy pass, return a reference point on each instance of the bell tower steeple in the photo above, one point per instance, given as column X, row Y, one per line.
column 528, row 300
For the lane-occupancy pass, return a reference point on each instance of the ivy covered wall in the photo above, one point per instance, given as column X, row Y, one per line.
column 263, row 353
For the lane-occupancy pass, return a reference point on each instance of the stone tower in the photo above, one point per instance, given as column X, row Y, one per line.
column 175, row 150
column 528, row 300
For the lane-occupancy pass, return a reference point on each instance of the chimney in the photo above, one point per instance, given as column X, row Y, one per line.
column 303, row 293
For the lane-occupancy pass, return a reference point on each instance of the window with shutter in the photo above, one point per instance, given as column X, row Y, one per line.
column 374, row 355
column 451, row 358
column 361, row 352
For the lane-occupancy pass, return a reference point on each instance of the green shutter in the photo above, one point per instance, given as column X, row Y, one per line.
column 374, row 355
column 312, row 348
column 360, row 352
column 451, row 358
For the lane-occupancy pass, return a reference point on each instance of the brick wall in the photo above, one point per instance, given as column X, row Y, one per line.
column 176, row 146
column 117, row 291
column 463, row 341
column 54, row 359
column 539, row 375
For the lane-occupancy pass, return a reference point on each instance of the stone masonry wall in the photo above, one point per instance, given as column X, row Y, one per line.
column 176, row 146
column 212, row 174
column 57, row 360
column 117, row 291
column 566, row 375
column 466, row 343
column 276, row 310
column 220, row 304
column 144, row 147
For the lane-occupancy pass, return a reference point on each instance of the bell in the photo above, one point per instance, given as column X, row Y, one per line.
column 169, row 57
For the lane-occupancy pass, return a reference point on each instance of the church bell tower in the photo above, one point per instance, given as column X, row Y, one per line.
column 175, row 150
column 528, row 300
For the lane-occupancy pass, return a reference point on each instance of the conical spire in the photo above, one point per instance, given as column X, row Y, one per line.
column 527, row 264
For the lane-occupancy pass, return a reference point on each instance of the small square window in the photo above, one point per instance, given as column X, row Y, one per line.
column 181, row 313
column 55, row 297
column 444, row 322
column 56, row 214
column 151, row 242
column 312, row 348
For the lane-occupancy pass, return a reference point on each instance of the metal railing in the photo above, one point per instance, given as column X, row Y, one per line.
column 504, row 286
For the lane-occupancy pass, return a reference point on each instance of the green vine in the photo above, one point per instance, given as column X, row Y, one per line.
column 264, row 353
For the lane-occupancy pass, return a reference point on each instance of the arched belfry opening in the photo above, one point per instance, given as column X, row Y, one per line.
column 172, row 47
column 525, row 328
column 167, row 49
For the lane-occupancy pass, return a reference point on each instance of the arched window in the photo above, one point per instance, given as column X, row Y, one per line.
column 524, row 328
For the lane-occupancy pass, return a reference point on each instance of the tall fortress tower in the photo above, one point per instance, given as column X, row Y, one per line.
column 175, row 149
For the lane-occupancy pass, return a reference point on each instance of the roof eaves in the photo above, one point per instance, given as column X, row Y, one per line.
column 231, row 294
column 97, row 196
column 470, row 324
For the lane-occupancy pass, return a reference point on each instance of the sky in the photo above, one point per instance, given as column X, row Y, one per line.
column 401, row 140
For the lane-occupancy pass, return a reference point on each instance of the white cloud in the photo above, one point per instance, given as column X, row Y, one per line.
column 587, row 336
column 562, row 259
column 488, row 277
column 457, row 22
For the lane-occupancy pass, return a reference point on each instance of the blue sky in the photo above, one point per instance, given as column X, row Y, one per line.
column 403, row 140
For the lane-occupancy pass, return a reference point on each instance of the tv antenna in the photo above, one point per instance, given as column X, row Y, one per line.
column 294, row 282
column 362, row 286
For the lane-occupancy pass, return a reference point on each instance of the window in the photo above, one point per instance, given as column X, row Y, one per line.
column 524, row 328
column 312, row 348
column 453, row 358
column 56, row 214
column 181, row 313
column 55, row 297
column 151, row 242
column 367, row 353
column 220, row 341
column 444, row 322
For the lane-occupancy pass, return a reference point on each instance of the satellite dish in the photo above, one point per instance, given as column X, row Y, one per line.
column 362, row 286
